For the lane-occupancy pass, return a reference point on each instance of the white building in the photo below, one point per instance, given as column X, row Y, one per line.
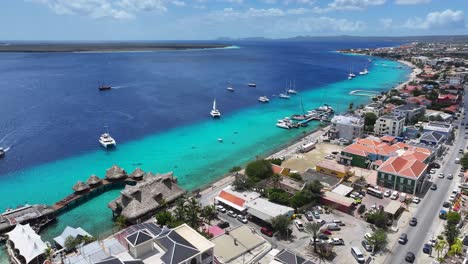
column 348, row 127
column 409, row 111
column 375, row 108
column 29, row 245
column 265, row 210
column 389, row 125
column 419, row 59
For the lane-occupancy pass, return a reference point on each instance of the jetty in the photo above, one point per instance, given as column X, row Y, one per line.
column 364, row 93
column 322, row 114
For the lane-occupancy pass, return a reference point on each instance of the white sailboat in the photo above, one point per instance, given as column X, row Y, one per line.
column 215, row 112
column 291, row 89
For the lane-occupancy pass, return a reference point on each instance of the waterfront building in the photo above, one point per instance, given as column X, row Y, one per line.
column 389, row 125
column 375, row 108
column 347, row 127
column 25, row 246
column 443, row 128
column 402, row 173
column 264, row 210
column 363, row 152
column 419, row 59
column 146, row 197
column 75, row 233
column 235, row 200
column 240, row 245
column 332, row 168
column 409, row 111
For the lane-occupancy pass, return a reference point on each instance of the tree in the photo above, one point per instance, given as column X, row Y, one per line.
column 276, row 161
column 325, row 251
column 243, row 183
column 379, row 219
column 456, row 248
column 361, row 209
column 296, row 176
column 276, row 179
column 164, row 217
column 209, row 213
column 69, row 243
column 453, row 218
column 48, row 252
column 235, row 169
column 192, row 213
column 121, row 222
column 440, row 246
column 378, row 239
column 464, row 161
column 278, row 196
column 313, row 229
column 179, row 211
column 369, row 120
column 281, row 224
column 451, row 232
column 259, row 170
column 315, row 187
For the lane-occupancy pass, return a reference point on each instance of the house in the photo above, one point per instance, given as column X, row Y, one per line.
column 432, row 138
column 402, row 173
column 348, row 127
column 438, row 115
column 240, row 245
column 332, row 168
column 146, row 197
column 418, row 100
column 341, row 203
column 411, row 132
column 447, row 98
column 419, row 59
column 389, row 125
column 99, row 252
column 280, row 170
column 375, row 108
column 70, row 232
column 409, row 111
column 28, row 245
column 235, row 200
column 446, row 129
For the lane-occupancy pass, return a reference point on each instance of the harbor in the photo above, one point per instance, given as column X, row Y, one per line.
column 322, row 114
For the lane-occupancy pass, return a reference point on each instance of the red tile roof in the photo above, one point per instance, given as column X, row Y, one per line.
column 387, row 138
column 232, row 198
column 276, row 169
column 403, row 167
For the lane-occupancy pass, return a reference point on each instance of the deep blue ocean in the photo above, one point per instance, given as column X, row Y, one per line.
column 52, row 114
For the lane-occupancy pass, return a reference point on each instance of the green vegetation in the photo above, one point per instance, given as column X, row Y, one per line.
column 186, row 211
column 164, row 218
column 464, row 161
column 278, row 196
column 369, row 121
column 276, row 161
column 295, row 176
column 313, row 229
column 259, row 170
column 453, row 218
column 235, row 169
column 120, row 222
column 378, row 218
column 71, row 243
column 440, row 246
column 281, row 225
column 378, row 239
column 361, row 209
column 456, row 248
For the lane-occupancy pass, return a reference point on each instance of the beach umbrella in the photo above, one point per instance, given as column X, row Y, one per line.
column 115, row 173
column 137, row 174
column 93, row 180
column 80, row 186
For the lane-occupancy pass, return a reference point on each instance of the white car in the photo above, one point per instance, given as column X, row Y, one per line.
column 394, row 195
column 432, row 171
column 232, row 214
column 299, row 225
column 416, row 200
column 220, row 208
column 402, row 197
column 387, row 193
column 242, row 218
column 441, row 175
column 367, row 236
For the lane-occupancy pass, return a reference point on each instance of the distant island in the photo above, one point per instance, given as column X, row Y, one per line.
column 102, row 47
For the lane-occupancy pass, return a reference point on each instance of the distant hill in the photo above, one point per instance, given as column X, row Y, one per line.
column 456, row 38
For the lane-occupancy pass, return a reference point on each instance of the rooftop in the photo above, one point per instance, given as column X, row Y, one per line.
column 332, row 165
column 287, row 256
column 348, row 120
column 266, row 210
column 404, row 166
column 392, row 117
column 408, row 107
column 70, row 231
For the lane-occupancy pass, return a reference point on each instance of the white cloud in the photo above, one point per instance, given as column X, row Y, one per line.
column 178, row 3
column 354, row 4
column 411, row 2
column 387, row 23
column 319, row 25
column 438, row 20
column 118, row 9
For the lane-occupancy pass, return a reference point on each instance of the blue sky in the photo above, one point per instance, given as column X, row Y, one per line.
column 209, row 19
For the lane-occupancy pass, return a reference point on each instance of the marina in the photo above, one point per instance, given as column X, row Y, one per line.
column 323, row 113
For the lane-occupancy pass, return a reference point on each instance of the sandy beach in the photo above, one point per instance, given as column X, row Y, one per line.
column 416, row 72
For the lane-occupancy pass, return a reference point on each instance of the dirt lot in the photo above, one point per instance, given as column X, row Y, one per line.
column 302, row 161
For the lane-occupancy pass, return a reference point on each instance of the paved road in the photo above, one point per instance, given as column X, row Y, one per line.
column 427, row 213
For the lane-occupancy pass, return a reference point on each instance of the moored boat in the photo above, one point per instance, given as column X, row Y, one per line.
column 263, row 99
column 284, row 96
column 2, row 153
column 215, row 113
column 107, row 141
column 252, row 84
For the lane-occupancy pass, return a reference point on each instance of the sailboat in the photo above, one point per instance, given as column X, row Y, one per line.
column 215, row 112
column 284, row 95
column 292, row 90
column 351, row 74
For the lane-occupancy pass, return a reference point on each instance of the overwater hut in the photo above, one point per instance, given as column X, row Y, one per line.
column 137, row 174
column 146, row 197
column 93, row 181
column 80, row 187
column 115, row 173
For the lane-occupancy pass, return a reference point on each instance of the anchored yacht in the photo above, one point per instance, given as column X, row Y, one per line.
column 107, row 141
column 263, row 99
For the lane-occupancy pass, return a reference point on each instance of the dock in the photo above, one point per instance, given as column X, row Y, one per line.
column 364, row 93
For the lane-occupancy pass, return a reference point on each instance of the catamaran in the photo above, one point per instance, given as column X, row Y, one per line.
column 364, row 72
column 263, row 99
column 284, row 96
column 215, row 112
column 107, row 141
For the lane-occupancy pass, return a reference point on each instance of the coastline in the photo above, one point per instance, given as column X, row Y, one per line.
column 415, row 72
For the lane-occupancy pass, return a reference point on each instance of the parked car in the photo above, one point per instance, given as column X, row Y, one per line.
column 434, row 187
column 366, row 245
column 242, row 218
column 427, row 249
column 319, row 209
column 413, row 221
column 410, row 257
column 394, row 195
column 402, row 197
column 309, row 216
column 266, row 231
column 338, row 222
column 416, row 200
column 334, row 227
column 299, row 225
column 387, row 193
column 403, row 238
column 367, row 236
column 337, row 241
column 436, row 165
column 327, row 232
column 432, row 171
column 220, row 208
column 450, row 176
column 432, row 242
column 441, row 175
column 232, row 214
column 321, row 222
column 322, row 236
column 223, row 224
column 316, row 215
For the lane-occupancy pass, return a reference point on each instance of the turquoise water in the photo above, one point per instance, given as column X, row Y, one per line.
column 192, row 152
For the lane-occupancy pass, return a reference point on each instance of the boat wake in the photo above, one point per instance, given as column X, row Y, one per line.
column 1, row 140
column 119, row 87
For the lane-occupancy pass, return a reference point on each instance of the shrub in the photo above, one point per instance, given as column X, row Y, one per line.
column 278, row 196
column 259, row 170
column 361, row 209
column 276, row 161
column 296, row 176
column 235, row 169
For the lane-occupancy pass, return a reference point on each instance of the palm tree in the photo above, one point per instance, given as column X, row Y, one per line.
column 121, row 222
column 275, row 179
column 48, row 252
column 179, row 211
column 440, row 246
column 456, row 248
column 209, row 213
column 313, row 229
column 192, row 213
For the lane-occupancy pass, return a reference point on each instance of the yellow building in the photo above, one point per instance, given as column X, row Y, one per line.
column 332, row 168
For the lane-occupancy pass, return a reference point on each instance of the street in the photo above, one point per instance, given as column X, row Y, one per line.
column 429, row 223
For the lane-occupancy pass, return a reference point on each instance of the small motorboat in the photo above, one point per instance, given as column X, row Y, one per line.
column 291, row 91
column 230, row 89
column 104, row 87
column 263, row 99
column 220, row 140
column 252, row 84
column 2, row 153
column 284, row 96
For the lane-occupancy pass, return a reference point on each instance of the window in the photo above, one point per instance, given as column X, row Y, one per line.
column 402, row 180
column 193, row 261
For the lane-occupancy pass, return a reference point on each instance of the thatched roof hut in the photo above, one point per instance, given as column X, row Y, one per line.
column 80, row 187
column 137, row 174
column 93, row 180
column 143, row 199
column 115, row 173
